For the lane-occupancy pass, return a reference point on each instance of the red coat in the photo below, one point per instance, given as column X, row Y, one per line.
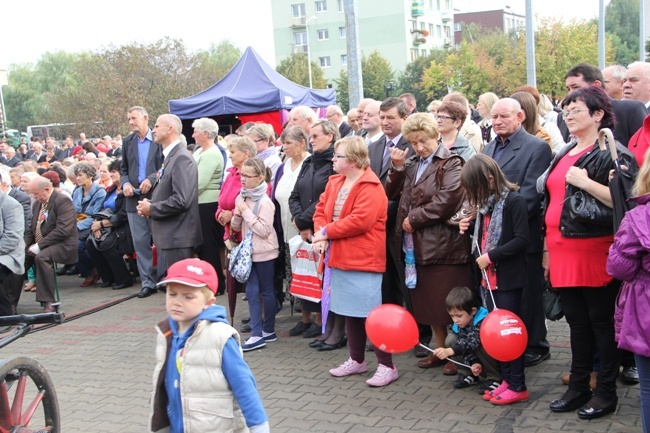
column 358, row 237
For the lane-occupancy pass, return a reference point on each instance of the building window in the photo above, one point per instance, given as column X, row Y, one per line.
column 323, row 35
column 344, row 60
column 325, row 62
column 342, row 32
column 439, row 31
column 321, row 6
column 431, row 29
column 438, row 4
column 457, row 27
column 300, row 38
column 340, row 6
column 422, row 25
column 448, row 4
column 298, row 10
column 447, row 31
column 414, row 54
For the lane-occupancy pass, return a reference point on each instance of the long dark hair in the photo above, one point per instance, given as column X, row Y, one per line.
column 475, row 178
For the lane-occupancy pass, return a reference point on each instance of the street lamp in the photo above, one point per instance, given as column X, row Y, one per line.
column 311, row 18
column 3, row 118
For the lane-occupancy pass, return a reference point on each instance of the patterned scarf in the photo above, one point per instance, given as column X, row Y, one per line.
column 494, row 206
column 254, row 193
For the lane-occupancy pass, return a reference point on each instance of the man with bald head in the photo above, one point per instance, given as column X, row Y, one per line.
column 637, row 83
column 354, row 120
column 371, row 123
column 614, row 77
column 361, row 108
column 523, row 158
column 174, row 205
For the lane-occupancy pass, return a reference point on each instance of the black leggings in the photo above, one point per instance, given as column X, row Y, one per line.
column 355, row 328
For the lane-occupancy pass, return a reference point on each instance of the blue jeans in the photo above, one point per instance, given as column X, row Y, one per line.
column 643, row 365
column 85, row 263
column 261, row 295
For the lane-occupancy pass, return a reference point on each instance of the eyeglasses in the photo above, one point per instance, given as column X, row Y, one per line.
column 573, row 112
column 339, row 156
column 441, row 117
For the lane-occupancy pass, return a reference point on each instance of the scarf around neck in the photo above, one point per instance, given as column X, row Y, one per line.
column 256, row 193
column 494, row 206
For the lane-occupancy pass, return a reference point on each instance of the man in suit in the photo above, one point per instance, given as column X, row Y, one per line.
column 116, row 149
column 371, row 123
column 523, row 158
column 12, row 159
column 354, row 120
column 12, row 245
column 629, row 114
column 614, row 78
column 174, row 204
column 140, row 163
column 411, row 103
column 335, row 115
column 361, row 110
column 637, row 84
column 52, row 239
column 36, row 154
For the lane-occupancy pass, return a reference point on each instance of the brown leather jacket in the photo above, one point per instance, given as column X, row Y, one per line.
column 429, row 204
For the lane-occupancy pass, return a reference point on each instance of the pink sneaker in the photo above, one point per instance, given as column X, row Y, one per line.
column 495, row 392
column 509, row 396
column 383, row 376
column 349, row 368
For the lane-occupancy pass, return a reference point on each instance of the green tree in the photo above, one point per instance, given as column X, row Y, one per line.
column 410, row 80
column 622, row 20
column 295, row 68
column 214, row 63
column 376, row 72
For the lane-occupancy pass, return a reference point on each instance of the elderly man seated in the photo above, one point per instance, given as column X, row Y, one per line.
column 53, row 237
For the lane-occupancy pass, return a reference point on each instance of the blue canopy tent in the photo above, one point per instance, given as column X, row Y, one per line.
column 251, row 90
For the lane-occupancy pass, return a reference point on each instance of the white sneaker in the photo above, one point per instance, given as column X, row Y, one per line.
column 383, row 376
column 349, row 368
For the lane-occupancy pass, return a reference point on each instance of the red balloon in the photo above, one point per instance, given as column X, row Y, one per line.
column 392, row 329
column 503, row 335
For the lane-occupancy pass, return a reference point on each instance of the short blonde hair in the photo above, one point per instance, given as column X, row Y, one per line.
column 356, row 150
column 244, row 144
column 420, row 123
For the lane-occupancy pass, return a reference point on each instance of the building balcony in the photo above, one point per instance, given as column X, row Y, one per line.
column 297, row 22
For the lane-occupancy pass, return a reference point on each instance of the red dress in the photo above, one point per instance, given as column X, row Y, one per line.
column 574, row 262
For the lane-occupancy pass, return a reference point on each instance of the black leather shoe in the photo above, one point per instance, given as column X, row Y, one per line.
column 630, row 375
column 72, row 271
column 531, row 358
column 317, row 343
column 147, row 291
column 593, row 411
column 299, row 329
column 570, row 401
column 108, row 284
column 62, row 270
column 122, row 286
column 246, row 320
column 245, row 329
column 313, row 331
column 327, row 347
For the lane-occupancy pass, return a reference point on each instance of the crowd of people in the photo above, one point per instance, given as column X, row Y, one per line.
column 482, row 201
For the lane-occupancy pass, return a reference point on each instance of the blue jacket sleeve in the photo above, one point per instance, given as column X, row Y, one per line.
column 241, row 381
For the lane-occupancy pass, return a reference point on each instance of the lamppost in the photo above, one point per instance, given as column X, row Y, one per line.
column 3, row 118
column 389, row 87
column 311, row 18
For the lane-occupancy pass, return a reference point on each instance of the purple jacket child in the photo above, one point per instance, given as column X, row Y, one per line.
column 629, row 261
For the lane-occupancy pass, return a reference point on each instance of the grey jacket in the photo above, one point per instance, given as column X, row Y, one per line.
column 12, row 229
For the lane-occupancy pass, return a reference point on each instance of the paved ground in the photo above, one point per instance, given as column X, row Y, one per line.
column 102, row 363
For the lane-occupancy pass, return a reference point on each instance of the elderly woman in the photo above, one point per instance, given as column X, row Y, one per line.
column 240, row 148
column 264, row 138
column 587, row 292
column 87, row 200
column 430, row 193
column 109, row 262
column 451, row 117
column 484, row 108
column 433, row 106
column 210, row 166
column 310, row 184
column 105, row 178
column 350, row 228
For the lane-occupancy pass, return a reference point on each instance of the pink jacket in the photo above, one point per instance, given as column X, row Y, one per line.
column 264, row 240
column 229, row 192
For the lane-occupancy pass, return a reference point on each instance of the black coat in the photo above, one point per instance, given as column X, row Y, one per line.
column 314, row 174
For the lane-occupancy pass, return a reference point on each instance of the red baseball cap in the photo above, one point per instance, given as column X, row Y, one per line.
column 193, row 273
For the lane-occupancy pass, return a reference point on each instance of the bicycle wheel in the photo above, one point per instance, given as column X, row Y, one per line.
column 27, row 397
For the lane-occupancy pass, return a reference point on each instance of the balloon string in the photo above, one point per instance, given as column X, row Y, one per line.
column 448, row 359
column 485, row 276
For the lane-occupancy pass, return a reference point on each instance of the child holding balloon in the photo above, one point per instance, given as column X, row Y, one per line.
column 464, row 343
column 501, row 235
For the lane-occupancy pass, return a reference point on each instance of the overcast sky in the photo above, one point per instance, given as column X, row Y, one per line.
column 33, row 27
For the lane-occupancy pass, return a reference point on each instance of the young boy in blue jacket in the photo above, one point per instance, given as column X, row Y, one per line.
column 201, row 382
column 464, row 342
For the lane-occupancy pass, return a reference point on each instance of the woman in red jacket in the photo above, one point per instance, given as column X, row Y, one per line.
column 350, row 222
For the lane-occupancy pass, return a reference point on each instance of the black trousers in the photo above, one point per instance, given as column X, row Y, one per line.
column 6, row 307
column 589, row 312
column 213, row 242
column 109, row 264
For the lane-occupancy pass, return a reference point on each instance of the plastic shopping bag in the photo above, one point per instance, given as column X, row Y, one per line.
column 306, row 281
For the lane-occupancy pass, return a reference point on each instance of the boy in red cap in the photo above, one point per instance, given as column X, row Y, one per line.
column 201, row 381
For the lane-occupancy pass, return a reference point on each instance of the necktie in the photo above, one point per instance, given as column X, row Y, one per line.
column 386, row 161
column 41, row 220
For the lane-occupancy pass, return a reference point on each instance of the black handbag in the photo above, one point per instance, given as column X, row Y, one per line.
column 585, row 208
column 552, row 306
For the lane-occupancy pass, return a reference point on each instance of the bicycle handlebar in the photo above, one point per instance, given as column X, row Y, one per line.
column 32, row 319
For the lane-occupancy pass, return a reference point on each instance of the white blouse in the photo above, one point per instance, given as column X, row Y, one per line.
column 282, row 193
